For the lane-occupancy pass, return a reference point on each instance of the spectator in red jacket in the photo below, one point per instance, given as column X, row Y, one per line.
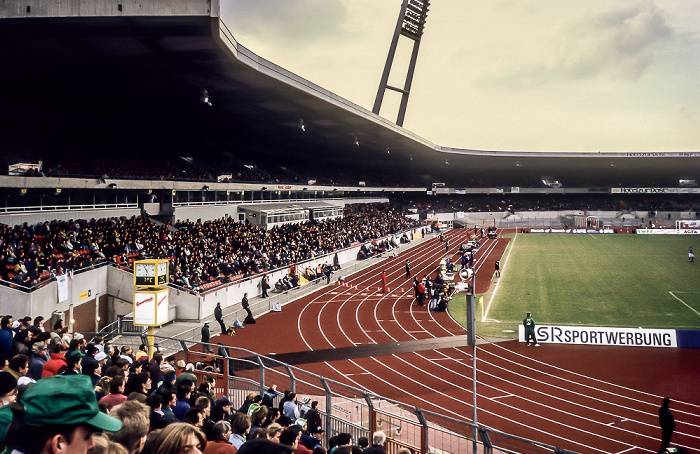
column 57, row 363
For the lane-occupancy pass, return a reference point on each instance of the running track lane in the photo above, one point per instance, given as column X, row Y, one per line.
column 587, row 399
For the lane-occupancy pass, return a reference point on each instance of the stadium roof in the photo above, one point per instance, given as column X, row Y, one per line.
column 86, row 76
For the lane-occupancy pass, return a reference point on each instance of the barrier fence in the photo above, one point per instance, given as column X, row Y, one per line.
column 343, row 408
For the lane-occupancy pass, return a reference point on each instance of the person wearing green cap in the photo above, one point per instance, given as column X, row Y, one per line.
column 57, row 415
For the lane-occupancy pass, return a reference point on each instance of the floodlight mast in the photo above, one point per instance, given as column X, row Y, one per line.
column 410, row 24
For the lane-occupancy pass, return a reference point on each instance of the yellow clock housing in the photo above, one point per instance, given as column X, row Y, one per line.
column 151, row 273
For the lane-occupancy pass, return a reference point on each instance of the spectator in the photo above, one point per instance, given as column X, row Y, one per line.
column 219, row 444
column 222, row 410
column 135, row 423
column 273, row 432
column 38, row 428
column 157, row 417
column 290, row 408
column 290, row 437
column 18, row 366
column 116, row 393
column 37, row 360
column 240, row 424
column 177, row 438
column 378, row 440
column 8, row 388
column 57, row 364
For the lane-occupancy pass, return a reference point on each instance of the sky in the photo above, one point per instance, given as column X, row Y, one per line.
column 535, row 75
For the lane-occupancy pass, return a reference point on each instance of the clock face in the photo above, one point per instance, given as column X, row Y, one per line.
column 162, row 268
column 145, row 270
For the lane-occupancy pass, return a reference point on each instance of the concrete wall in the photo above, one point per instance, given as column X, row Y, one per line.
column 73, row 8
column 36, row 217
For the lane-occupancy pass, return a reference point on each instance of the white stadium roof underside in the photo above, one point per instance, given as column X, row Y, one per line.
column 77, row 74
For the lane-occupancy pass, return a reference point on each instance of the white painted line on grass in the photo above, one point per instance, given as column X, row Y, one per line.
column 685, row 304
column 495, row 290
column 593, row 236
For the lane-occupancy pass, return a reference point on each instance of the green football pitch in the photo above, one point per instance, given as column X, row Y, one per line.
column 591, row 280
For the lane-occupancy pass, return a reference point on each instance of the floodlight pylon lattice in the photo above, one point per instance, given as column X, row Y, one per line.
column 410, row 24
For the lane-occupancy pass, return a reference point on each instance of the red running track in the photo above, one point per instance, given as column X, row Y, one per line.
column 583, row 398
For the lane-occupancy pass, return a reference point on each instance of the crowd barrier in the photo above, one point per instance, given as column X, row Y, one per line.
column 343, row 408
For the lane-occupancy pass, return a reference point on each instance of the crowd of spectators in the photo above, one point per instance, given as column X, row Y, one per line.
column 548, row 202
column 159, row 166
column 157, row 405
column 199, row 252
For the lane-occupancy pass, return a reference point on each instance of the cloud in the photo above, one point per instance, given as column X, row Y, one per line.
column 616, row 43
column 287, row 22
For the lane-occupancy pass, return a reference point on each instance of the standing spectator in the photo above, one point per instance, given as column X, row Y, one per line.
column 57, row 363
column 313, row 419
column 37, row 360
column 290, row 408
column 244, row 303
column 290, row 437
column 39, row 429
column 157, row 418
column 385, row 289
column 219, row 317
column 378, row 440
column 667, row 423
column 447, row 245
column 691, row 256
column 498, row 268
column 116, row 393
column 529, row 324
column 264, row 285
column 18, row 366
column 178, row 438
column 222, row 410
column 420, row 291
column 6, row 337
column 219, row 444
column 135, row 423
column 408, row 270
column 240, row 424
column 205, row 337
column 8, row 388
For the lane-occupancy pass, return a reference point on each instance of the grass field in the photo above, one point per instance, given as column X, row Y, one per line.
column 593, row 280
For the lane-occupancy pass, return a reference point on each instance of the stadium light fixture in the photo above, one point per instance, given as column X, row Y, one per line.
column 205, row 97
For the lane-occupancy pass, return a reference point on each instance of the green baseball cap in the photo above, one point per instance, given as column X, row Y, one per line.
column 65, row 399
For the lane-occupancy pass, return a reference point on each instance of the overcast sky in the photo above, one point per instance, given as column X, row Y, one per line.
column 503, row 74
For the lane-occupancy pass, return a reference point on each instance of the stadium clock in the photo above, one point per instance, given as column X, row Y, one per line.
column 150, row 273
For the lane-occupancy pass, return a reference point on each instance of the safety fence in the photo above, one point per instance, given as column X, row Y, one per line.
column 344, row 409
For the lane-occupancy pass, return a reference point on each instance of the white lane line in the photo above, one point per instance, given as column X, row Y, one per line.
column 685, row 304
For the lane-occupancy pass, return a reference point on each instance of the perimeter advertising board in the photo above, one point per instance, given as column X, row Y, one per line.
column 589, row 335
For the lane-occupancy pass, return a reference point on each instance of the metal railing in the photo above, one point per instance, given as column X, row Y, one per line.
column 343, row 408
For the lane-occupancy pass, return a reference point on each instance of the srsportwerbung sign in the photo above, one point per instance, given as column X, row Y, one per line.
column 587, row 335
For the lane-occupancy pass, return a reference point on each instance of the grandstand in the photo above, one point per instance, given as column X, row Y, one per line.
column 148, row 122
